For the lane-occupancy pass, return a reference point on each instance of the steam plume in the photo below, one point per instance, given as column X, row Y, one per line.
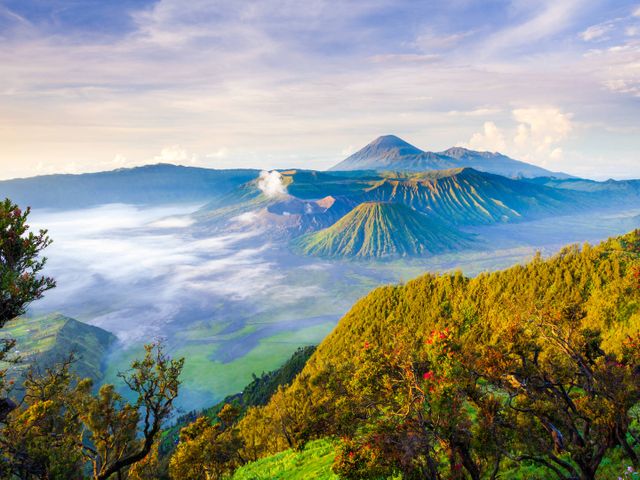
column 271, row 184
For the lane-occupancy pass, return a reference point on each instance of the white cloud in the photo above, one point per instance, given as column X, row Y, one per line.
column 636, row 12
column 490, row 139
column 618, row 67
column 175, row 154
column 476, row 112
column 632, row 31
column 540, row 128
column 430, row 41
column 172, row 222
column 596, row 32
column 120, row 161
column 536, row 136
column 345, row 152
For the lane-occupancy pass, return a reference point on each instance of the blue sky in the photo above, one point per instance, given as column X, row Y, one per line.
column 94, row 85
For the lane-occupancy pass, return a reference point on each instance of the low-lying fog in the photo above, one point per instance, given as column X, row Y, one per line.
column 235, row 304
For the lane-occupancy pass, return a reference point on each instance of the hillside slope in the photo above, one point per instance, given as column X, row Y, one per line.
column 508, row 323
column 44, row 341
column 378, row 230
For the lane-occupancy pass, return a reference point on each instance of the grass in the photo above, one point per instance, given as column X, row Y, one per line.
column 312, row 463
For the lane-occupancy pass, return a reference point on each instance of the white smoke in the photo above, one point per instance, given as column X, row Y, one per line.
column 271, row 184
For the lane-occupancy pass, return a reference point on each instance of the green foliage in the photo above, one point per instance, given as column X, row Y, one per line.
column 20, row 280
column 20, row 265
column 262, row 388
column 60, row 428
column 535, row 367
column 207, row 451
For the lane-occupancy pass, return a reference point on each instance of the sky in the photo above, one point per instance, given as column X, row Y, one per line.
column 89, row 85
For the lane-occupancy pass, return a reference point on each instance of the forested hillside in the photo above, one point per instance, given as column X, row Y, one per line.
column 532, row 372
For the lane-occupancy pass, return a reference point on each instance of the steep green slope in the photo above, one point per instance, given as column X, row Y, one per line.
column 377, row 230
column 581, row 276
column 43, row 341
column 467, row 196
column 580, row 292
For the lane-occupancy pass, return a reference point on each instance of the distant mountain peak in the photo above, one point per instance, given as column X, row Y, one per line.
column 388, row 145
column 391, row 153
column 391, row 141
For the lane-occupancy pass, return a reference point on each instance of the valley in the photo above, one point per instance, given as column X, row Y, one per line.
column 239, row 303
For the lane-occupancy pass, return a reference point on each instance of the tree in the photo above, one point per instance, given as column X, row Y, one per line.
column 113, row 442
column 61, row 426
column 569, row 400
column 20, row 262
column 40, row 439
column 20, row 279
column 415, row 405
column 208, row 451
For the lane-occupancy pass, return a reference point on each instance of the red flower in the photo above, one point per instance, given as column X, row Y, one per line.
column 428, row 375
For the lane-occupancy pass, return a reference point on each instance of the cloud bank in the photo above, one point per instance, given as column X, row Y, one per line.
column 535, row 134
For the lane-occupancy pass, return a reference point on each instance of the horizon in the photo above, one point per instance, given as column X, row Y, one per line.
column 268, row 85
column 187, row 165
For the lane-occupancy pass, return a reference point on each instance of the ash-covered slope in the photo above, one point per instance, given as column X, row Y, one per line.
column 378, row 230
column 468, row 197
